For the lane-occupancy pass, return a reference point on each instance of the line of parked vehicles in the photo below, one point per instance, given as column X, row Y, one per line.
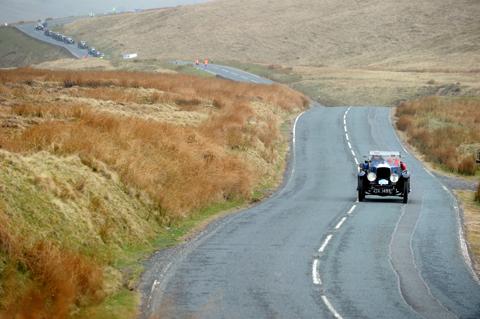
column 68, row 40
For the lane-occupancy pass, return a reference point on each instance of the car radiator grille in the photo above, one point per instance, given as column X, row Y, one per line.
column 383, row 173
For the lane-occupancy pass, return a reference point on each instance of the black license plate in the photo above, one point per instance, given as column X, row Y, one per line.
column 382, row 191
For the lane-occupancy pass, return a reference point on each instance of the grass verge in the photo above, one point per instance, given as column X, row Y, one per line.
column 471, row 217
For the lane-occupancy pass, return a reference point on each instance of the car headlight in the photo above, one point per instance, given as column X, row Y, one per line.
column 371, row 176
column 394, row 178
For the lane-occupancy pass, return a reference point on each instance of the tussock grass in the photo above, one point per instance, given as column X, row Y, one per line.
column 54, row 279
column 62, row 227
column 189, row 87
column 179, row 168
column 80, row 186
column 445, row 130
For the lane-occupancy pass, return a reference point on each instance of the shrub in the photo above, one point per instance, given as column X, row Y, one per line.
column 467, row 166
column 439, row 127
column 404, row 123
column 54, row 278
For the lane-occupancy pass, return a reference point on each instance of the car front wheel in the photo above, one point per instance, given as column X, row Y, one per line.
column 361, row 193
column 405, row 192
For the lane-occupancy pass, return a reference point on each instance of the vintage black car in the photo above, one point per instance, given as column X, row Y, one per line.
column 383, row 174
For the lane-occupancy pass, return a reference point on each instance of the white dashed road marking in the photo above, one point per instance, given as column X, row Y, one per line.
column 315, row 274
column 325, row 243
column 428, row 172
column 315, row 270
column 340, row 223
column 351, row 209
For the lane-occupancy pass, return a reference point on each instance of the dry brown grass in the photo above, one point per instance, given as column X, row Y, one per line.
column 189, row 87
column 445, row 130
column 181, row 168
column 42, row 280
column 383, row 87
column 178, row 167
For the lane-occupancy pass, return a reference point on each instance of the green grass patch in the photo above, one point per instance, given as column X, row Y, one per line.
column 18, row 49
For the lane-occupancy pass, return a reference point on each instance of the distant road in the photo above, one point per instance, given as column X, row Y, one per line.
column 228, row 73
column 29, row 29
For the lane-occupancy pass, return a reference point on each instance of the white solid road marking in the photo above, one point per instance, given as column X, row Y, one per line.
column 445, row 188
column 428, row 172
column 293, row 140
column 340, row 223
column 345, row 128
column 349, row 145
column 346, row 136
column 315, row 274
column 295, row 127
column 325, row 243
column 353, row 153
column 356, row 162
column 344, row 121
column 330, row 307
column 351, row 209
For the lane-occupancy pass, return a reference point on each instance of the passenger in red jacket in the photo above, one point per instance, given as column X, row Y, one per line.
column 403, row 166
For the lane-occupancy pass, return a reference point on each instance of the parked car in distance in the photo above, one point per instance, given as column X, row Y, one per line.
column 82, row 45
column 92, row 51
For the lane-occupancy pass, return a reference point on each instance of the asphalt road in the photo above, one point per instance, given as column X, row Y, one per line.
column 228, row 72
column 29, row 29
column 234, row 74
column 312, row 251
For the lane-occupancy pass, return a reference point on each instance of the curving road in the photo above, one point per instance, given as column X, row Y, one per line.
column 227, row 72
column 312, row 251
column 73, row 49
